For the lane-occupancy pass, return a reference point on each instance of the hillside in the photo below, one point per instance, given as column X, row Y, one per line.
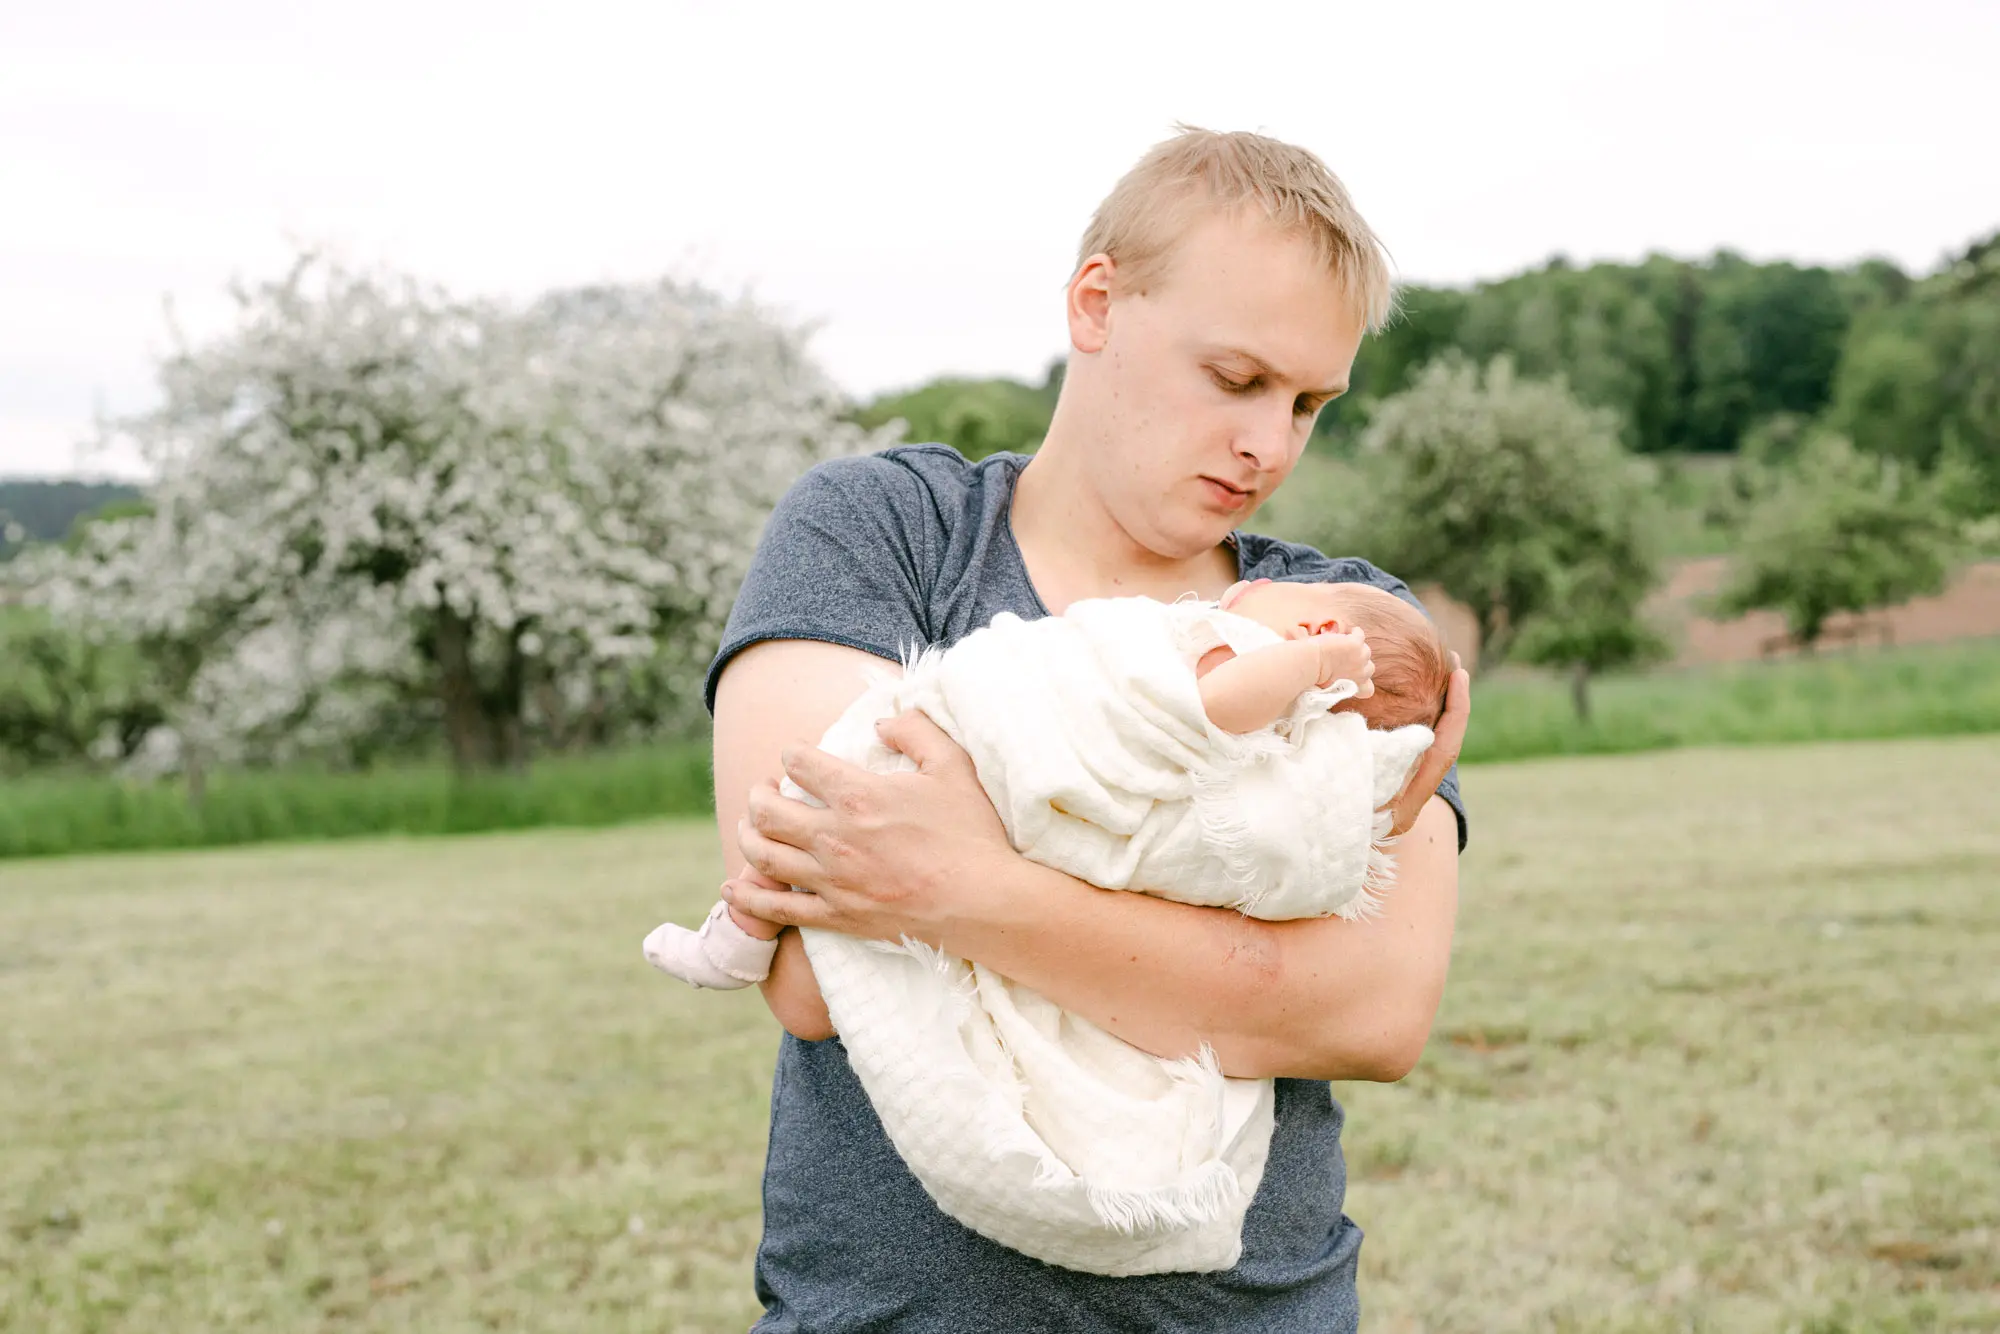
column 37, row 511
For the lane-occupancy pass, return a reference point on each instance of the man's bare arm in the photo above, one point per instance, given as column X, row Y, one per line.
column 770, row 695
column 922, row 854
column 1321, row 998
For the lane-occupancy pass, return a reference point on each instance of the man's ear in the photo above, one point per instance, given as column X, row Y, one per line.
column 1089, row 303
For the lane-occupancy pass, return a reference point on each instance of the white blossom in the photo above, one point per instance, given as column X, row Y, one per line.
column 371, row 492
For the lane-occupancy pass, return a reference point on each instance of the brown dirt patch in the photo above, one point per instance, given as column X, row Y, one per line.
column 1969, row 608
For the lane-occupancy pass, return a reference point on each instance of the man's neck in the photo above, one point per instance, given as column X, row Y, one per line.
column 1075, row 549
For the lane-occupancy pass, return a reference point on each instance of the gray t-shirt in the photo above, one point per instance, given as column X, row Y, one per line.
column 912, row 547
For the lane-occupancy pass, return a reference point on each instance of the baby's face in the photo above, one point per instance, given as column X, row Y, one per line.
column 1292, row 610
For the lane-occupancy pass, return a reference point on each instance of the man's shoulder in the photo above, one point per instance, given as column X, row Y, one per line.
column 938, row 471
column 1294, row 562
column 906, row 488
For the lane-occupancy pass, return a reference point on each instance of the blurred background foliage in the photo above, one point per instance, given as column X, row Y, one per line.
column 1548, row 455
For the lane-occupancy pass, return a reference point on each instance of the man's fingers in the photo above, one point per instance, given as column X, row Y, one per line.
column 786, row 907
column 1422, row 786
column 819, row 773
column 1447, row 738
column 784, row 818
column 915, row 735
column 1424, row 780
column 780, row 863
column 1457, row 713
column 1448, row 741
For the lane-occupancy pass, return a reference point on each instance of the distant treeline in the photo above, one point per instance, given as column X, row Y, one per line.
column 44, row 511
column 1695, row 356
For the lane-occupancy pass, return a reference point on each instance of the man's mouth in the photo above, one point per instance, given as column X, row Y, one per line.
column 1227, row 495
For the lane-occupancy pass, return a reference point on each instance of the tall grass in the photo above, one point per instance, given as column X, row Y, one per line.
column 41, row 816
column 1854, row 694
column 1849, row 695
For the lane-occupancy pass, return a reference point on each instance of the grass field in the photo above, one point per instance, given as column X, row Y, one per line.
column 1718, row 1055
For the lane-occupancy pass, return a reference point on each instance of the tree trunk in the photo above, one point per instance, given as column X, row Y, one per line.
column 1579, row 691
column 1493, row 635
column 194, row 775
column 560, row 732
column 482, row 726
column 505, row 707
column 465, row 726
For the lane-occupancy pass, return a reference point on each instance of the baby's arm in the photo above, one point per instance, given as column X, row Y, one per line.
column 1252, row 690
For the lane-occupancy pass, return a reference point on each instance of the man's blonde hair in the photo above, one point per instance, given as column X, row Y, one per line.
column 1203, row 171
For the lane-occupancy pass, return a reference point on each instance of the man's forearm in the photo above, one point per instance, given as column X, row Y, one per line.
column 1320, row 998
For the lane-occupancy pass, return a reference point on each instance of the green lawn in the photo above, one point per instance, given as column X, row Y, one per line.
column 1859, row 694
column 1718, row 1055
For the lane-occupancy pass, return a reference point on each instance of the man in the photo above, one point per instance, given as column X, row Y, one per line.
column 1223, row 289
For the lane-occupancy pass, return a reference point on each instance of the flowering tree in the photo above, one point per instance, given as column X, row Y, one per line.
column 371, row 493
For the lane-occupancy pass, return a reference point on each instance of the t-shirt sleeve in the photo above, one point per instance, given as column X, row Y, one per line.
column 842, row 560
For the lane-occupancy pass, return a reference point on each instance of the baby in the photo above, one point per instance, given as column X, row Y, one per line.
column 1329, row 632
column 1237, row 754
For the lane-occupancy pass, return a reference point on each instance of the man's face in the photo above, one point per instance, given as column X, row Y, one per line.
column 1207, row 384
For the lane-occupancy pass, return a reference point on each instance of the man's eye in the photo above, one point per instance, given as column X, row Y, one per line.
column 1233, row 386
column 1305, row 407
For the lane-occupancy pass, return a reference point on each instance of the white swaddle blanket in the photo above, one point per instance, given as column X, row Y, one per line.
column 1033, row 1126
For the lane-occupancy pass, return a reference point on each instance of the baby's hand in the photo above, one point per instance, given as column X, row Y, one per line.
column 1346, row 657
column 750, row 875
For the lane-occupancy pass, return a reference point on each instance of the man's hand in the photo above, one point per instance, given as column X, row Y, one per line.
column 883, row 855
column 1436, row 761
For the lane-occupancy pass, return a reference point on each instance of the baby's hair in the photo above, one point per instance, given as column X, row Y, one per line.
column 1412, row 665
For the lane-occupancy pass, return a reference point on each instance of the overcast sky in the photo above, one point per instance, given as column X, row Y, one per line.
column 914, row 177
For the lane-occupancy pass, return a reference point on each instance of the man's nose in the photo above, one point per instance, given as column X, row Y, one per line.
column 1266, row 441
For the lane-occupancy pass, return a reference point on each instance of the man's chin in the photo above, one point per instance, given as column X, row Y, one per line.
column 1217, row 524
column 1194, row 538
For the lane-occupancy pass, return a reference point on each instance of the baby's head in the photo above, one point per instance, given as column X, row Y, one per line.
column 1412, row 667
